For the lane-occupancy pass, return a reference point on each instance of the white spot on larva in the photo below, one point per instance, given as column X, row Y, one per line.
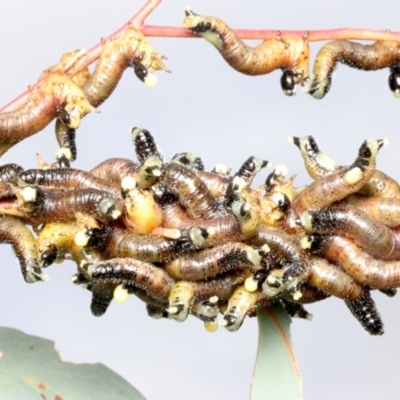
column 128, row 183
column 150, row 80
column 29, row 194
column 305, row 243
column 353, row 176
column 121, row 295
column 81, row 238
column 250, row 284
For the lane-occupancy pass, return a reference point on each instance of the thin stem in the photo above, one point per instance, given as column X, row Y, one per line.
column 312, row 35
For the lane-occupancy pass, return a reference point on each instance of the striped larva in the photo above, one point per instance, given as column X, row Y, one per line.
column 193, row 194
column 212, row 262
column 289, row 256
column 319, row 165
column 364, row 310
column 289, row 55
column 130, row 49
column 43, row 206
column 183, row 293
column 68, row 178
column 122, row 244
column 145, row 145
column 381, row 54
column 155, row 281
column 66, row 138
column 340, row 183
column 362, row 267
column 115, row 169
column 332, row 280
column 16, row 233
column 55, row 95
column 386, row 210
column 240, row 304
column 369, row 233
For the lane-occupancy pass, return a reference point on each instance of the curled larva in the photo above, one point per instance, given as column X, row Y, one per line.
column 16, row 233
column 55, row 95
column 381, row 54
column 340, row 183
column 115, row 169
column 362, row 267
column 193, row 194
column 369, row 233
column 130, row 49
column 211, row 262
column 155, row 281
column 290, row 55
column 319, row 165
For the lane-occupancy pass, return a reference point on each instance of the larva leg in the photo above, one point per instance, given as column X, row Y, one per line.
column 340, row 183
column 14, row 232
column 211, row 262
column 364, row 310
column 363, row 268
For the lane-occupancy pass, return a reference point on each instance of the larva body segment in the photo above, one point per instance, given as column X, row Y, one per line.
column 115, row 169
column 332, row 280
column 364, row 310
column 130, row 49
column 212, row 262
column 192, row 192
column 363, row 268
column 16, row 233
column 143, row 275
column 102, row 296
column 188, row 160
column 370, row 234
column 68, row 178
column 290, row 55
column 63, row 206
column 216, row 184
column 386, row 210
column 381, row 54
column 150, row 248
column 340, row 183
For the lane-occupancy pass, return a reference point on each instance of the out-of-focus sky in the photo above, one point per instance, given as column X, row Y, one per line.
column 209, row 109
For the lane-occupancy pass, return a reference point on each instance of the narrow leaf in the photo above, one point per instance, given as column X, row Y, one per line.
column 30, row 368
column 276, row 375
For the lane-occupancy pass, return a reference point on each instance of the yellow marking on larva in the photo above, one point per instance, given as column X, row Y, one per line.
column 353, row 176
column 211, row 326
column 250, row 284
column 121, row 295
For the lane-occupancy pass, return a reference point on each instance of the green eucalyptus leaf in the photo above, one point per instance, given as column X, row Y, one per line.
column 276, row 374
column 30, row 368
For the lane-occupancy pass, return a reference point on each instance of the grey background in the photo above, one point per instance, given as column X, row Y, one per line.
column 207, row 108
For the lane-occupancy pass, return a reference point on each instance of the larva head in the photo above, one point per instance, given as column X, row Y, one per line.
column 394, row 82
column 110, row 208
column 198, row 236
column 320, row 87
column 156, row 312
column 148, row 78
column 206, row 27
column 288, row 83
column 48, row 256
column 206, row 310
column 368, row 152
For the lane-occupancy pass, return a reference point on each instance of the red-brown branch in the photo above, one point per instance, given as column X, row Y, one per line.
column 165, row 31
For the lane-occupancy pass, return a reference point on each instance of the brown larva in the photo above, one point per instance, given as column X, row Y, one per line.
column 289, row 55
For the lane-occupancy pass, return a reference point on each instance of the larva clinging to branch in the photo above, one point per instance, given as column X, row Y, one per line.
column 289, row 55
column 381, row 54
